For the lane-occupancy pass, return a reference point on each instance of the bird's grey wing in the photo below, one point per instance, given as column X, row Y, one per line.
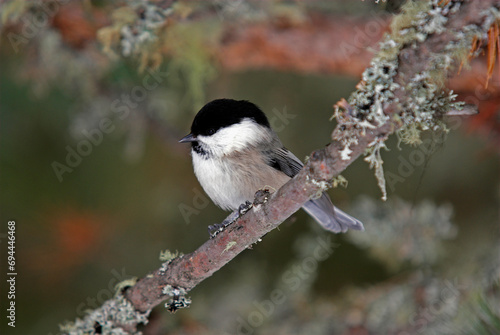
column 321, row 209
column 285, row 161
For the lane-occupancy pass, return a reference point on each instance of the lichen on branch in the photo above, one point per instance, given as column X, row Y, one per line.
column 116, row 316
column 412, row 104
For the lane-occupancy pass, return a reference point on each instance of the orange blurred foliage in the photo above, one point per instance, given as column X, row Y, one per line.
column 77, row 25
column 72, row 238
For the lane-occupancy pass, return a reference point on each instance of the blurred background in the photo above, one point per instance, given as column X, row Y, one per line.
column 94, row 96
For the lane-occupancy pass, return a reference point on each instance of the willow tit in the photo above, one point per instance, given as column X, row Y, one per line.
column 236, row 153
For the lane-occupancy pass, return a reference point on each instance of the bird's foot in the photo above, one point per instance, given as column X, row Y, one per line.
column 244, row 208
column 261, row 197
column 217, row 228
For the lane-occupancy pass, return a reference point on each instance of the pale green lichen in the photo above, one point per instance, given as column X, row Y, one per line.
column 426, row 99
column 116, row 316
column 325, row 185
column 135, row 33
column 173, row 291
column 164, row 267
column 229, row 245
column 339, row 181
column 374, row 160
column 144, row 30
column 125, row 283
column 167, row 255
column 321, row 184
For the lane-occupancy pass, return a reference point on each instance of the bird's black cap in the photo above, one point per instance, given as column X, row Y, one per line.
column 222, row 113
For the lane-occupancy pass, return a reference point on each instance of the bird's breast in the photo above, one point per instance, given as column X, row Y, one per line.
column 233, row 179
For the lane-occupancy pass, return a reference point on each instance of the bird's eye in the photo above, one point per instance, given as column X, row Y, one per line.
column 211, row 131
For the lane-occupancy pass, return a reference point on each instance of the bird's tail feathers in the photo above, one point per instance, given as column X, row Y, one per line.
column 330, row 217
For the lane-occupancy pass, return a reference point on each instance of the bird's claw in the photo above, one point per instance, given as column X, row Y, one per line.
column 244, row 208
column 217, row 228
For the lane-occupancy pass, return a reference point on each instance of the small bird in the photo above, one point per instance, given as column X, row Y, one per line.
column 236, row 153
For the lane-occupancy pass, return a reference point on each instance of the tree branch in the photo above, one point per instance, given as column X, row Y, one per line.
column 360, row 128
column 189, row 270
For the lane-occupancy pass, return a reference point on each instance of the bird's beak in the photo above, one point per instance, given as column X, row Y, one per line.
column 188, row 138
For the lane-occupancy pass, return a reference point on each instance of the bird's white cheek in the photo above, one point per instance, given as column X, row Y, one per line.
column 235, row 138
